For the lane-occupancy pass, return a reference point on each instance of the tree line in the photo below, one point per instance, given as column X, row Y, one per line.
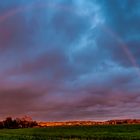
column 11, row 123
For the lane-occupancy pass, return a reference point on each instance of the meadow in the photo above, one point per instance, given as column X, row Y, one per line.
column 104, row 132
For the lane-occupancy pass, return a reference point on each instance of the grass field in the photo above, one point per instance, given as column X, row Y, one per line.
column 112, row 132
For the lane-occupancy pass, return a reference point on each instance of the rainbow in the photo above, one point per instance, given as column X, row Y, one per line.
column 106, row 29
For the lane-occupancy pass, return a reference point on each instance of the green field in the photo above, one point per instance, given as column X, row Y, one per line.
column 112, row 132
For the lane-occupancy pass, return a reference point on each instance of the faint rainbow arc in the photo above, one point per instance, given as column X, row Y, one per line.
column 18, row 10
column 124, row 47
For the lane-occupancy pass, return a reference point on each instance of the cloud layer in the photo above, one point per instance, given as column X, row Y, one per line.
column 70, row 60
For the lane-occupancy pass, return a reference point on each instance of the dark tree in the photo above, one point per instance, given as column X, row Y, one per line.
column 17, row 123
column 8, row 122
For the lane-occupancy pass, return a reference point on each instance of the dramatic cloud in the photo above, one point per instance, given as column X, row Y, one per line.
column 70, row 59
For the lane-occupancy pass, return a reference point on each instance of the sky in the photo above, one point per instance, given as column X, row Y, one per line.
column 70, row 59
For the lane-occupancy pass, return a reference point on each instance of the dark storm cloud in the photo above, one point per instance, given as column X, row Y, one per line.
column 122, row 17
column 122, row 26
column 17, row 32
column 93, row 107
column 64, row 60
column 18, row 101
